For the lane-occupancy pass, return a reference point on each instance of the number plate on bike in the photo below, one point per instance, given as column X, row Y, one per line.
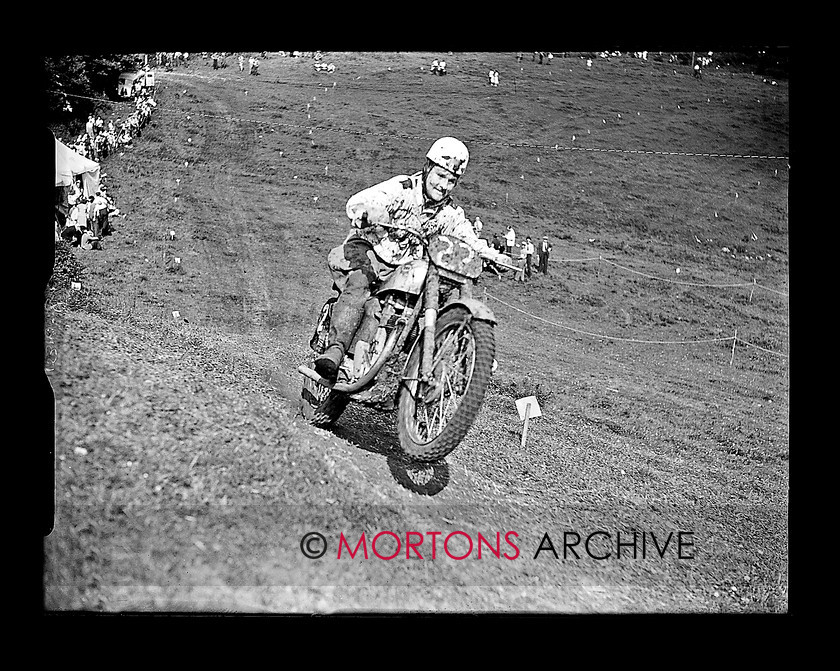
column 455, row 255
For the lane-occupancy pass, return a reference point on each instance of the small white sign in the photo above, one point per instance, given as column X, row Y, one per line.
column 176, row 314
column 177, row 259
column 522, row 404
column 75, row 285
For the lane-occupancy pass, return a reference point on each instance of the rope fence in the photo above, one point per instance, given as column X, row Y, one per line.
column 706, row 285
column 754, row 284
column 601, row 336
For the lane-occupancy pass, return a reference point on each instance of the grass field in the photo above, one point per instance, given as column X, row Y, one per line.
column 657, row 347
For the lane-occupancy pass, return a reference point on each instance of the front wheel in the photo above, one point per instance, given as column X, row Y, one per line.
column 433, row 419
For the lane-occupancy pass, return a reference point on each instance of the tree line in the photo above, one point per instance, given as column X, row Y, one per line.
column 71, row 85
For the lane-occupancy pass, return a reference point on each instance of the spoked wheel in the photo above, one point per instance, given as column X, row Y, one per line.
column 320, row 405
column 433, row 419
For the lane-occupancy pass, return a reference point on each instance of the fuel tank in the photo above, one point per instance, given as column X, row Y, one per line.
column 408, row 277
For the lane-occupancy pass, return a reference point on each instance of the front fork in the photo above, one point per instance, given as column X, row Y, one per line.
column 430, row 299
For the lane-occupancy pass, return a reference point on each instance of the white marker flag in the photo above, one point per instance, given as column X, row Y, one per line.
column 522, row 405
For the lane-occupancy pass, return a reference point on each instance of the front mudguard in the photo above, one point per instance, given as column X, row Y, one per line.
column 477, row 309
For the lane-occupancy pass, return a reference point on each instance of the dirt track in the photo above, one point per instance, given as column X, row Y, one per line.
column 198, row 480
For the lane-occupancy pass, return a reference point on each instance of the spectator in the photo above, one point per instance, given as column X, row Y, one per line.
column 241, row 63
column 510, row 240
column 100, row 215
column 89, row 240
column 75, row 192
column 528, row 248
column 497, row 243
column 544, row 251
column 442, row 68
column 72, row 234
column 125, row 136
column 89, row 212
column 520, row 274
column 74, row 224
column 478, row 225
column 435, row 66
column 698, row 73
column 113, row 210
column 78, row 215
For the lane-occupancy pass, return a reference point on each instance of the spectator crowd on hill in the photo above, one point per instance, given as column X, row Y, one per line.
column 87, row 220
column 528, row 255
column 438, row 67
column 101, row 140
column 84, row 220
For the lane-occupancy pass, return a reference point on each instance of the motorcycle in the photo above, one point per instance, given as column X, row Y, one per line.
column 425, row 345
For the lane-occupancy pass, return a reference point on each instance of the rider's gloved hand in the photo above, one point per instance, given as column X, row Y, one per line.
column 372, row 215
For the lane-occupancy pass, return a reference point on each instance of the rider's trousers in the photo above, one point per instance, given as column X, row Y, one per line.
column 348, row 309
column 356, row 271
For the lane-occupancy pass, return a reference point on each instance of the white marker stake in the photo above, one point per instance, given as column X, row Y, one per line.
column 525, row 425
column 528, row 407
column 734, row 342
column 176, row 314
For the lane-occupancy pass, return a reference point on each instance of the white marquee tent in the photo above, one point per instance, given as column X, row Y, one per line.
column 69, row 164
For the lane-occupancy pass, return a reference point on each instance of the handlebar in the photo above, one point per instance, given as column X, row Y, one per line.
column 505, row 265
column 418, row 234
column 424, row 239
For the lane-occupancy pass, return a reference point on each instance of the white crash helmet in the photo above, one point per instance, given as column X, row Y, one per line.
column 451, row 154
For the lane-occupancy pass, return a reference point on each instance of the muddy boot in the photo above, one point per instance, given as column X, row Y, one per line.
column 346, row 315
column 326, row 365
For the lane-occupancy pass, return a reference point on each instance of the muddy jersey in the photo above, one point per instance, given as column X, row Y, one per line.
column 399, row 202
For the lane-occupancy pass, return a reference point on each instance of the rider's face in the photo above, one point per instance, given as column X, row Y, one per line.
column 439, row 183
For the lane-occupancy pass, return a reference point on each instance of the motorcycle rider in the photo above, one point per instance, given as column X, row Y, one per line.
column 370, row 252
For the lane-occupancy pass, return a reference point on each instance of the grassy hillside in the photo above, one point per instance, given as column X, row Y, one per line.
column 657, row 346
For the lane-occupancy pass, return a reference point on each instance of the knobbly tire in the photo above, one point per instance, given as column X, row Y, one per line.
column 429, row 430
column 319, row 405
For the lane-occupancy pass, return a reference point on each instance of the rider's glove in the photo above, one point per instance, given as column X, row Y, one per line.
column 373, row 214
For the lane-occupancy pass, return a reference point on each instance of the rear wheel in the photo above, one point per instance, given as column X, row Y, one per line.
column 433, row 419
